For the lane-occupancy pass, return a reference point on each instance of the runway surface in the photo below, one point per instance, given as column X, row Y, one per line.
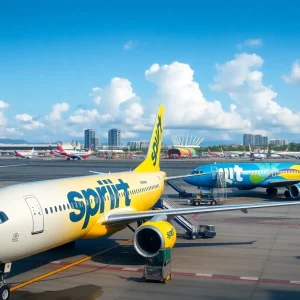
column 253, row 256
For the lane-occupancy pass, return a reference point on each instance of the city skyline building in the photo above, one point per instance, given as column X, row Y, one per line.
column 89, row 138
column 278, row 142
column 114, row 137
column 255, row 140
column 248, row 139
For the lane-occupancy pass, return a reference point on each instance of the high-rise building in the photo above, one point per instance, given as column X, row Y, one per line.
column 265, row 141
column 255, row 140
column 260, row 140
column 114, row 137
column 278, row 142
column 96, row 142
column 89, row 137
column 248, row 139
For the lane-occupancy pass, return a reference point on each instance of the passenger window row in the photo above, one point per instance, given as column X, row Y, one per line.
column 145, row 189
column 59, row 208
column 79, row 204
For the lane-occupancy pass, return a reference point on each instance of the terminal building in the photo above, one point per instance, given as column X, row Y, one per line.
column 38, row 147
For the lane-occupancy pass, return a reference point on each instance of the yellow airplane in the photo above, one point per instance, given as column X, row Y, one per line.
column 38, row 216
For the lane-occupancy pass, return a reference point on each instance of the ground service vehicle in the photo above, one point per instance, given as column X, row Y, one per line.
column 207, row 231
column 158, row 268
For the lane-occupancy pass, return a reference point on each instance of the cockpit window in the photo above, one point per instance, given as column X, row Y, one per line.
column 3, row 217
column 197, row 172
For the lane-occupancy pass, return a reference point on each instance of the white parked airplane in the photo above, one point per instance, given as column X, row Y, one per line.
column 286, row 153
column 38, row 216
column 24, row 154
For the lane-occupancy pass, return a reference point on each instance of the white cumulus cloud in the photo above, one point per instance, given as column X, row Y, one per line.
column 242, row 80
column 294, row 77
column 27, row 122
column 3, row 104
column 185, row 105
column 83, row 116
column 57, row 110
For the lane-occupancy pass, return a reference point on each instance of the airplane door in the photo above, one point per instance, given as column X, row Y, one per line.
column 36, row 213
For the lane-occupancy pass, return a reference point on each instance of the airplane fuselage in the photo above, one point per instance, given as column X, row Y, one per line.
column 54, row 212
column 245, row 175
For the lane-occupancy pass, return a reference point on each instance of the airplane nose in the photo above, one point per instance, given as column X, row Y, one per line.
column 188, row 180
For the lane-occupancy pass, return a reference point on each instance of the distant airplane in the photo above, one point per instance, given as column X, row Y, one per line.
column 287, row 153
column 216, row 154
column 39, row 216
column 24, row 154
column 73, row 154
column 248, row 176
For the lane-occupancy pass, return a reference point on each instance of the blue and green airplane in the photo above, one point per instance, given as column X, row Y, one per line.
column 248, row 176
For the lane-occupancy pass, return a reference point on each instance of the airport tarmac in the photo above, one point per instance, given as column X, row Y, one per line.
column 253, row 256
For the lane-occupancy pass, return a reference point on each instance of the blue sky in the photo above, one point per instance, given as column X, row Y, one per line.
column 55, row 52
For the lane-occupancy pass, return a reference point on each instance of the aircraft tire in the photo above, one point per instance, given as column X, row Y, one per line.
column 193, row 236
column 4, row 292
column 287, row 194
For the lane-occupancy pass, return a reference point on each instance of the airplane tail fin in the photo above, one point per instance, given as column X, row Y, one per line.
column 91, row 149
column 151, row 162
column 60, row 148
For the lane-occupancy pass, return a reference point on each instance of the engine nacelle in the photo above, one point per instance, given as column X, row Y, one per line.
column 295, row 190
column 152, row 236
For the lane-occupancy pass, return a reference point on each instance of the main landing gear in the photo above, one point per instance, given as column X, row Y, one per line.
column 287, row 194
column 4, row 288
column 271, row 191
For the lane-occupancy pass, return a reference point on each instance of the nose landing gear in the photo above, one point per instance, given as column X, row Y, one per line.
column 4, row 288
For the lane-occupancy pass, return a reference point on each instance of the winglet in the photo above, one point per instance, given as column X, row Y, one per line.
column 151, row 162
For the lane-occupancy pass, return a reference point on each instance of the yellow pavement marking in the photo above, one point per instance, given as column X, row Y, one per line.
column 38, row 278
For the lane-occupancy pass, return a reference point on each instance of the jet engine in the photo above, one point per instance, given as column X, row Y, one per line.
column 152, row 236
column 295, row 190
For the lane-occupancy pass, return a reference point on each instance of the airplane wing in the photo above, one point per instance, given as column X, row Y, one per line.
column 282, row 183
column 95, row 172
column 185, row 176
column 119, row 218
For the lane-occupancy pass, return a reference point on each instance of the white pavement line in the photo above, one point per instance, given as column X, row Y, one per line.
column 56, row 262
column 204, row 275
column 295, row 281
column 130, row 269
column 249, row 278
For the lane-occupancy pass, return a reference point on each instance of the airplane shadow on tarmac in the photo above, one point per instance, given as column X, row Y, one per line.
column 88, row 292
column 123, row 256
column 82, row 248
